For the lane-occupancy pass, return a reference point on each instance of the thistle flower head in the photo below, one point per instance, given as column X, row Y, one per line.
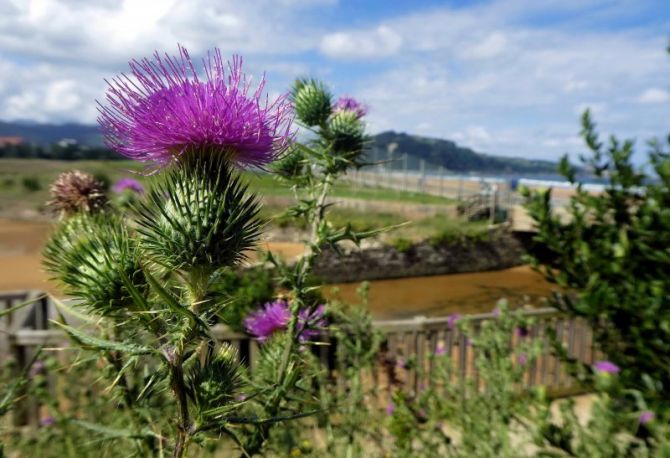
column 346, row 103
column 646, row 417
column 607, row 367
column 166, row 109
column 272, row 317
column 76, row 192
column 310, row 322
column 128, row 184
column 275, row 316
column 452, row 320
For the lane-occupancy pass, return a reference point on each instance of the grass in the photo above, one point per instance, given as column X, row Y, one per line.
column 24, row 183
column 24, row 186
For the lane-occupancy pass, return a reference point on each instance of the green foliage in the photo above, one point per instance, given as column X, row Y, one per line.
column 200, row 217
column 243, row 293
column 610, row 254
column 31, row 184
column 401, row 244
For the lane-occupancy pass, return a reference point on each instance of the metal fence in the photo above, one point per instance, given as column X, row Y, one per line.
column 409, row 339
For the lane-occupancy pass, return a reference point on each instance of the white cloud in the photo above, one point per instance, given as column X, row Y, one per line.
column 491, row 46
column 380, row 42
column 654, row 95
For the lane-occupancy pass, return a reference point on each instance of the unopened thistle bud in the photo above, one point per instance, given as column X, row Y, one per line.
column 311, row 102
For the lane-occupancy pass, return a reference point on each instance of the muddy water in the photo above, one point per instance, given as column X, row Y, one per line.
column 444, row 294
column 22, row 241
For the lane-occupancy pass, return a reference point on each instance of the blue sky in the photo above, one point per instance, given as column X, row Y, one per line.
column 507, row 77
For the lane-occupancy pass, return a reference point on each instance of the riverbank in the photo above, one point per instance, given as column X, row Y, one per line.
column 20, row 268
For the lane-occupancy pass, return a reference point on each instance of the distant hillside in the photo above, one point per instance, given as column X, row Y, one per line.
column 46, row 134
column 437, row 152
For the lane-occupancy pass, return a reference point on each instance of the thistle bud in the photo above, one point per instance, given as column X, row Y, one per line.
column 200, row 217
column 91, row 256
column 291, row 165
column 311, row 102
column 346, row 133
column 77, row 192
column 216, row 382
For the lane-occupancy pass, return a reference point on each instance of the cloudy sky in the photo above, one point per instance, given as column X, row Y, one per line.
column 506, row 77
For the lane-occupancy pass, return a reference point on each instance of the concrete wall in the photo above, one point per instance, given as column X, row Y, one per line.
column 499, row 251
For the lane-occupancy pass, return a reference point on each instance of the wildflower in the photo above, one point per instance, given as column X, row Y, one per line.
column 346, row 103
column 522, row 331
column 169, row 110
column 311, row 322
column 440, row 349
column 607, row 367
column 496, row 312
column 241, row 397
column 273, row 317
column 522, row 358
column 128, row 184
column 76, row 192
column 452, row 320
column 47, row 421
column 36, row 369
column 646, row 417
column 390, row 408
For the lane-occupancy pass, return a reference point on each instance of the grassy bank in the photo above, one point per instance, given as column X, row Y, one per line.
column 24, row 187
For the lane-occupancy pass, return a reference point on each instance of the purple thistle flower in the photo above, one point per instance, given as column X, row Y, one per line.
column 523, row 359
column 272, row 317
column 607, row 367
column 496, row 312
column 275, row 316
column 311, row 323
column 36, row 369
column 166, row 109
column 346, row 103
column 47, row 421
column 390, row 408
column 129, row 184
column 241, row 397
column 646, row 417
column 522, row 331
column 452, row 320
column 440, row 349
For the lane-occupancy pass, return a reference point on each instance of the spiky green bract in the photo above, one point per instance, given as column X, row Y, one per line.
column 312, row 102
column 200, row 217
column 346, row 138
column 216, row 383
column 92, row 256
column 292, row 165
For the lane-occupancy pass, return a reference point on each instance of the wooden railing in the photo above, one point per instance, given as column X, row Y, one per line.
column 409, row 339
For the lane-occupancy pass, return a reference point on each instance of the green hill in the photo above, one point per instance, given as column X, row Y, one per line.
column 445, row 153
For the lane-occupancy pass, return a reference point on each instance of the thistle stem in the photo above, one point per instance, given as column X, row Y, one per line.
column 184, row 425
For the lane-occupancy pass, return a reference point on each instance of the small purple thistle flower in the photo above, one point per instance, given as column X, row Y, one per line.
column 607, row 367
column 166, row 109
column 272, row 317
column 452, row 320
column 36, row 369
column 440, row 349
column 523, row 359
column 47, row 421
column 522, row 331
column 275, row 316
column 390, row 408
column 310, row 323
column 346, row 103
column 496, row 312
column 241, row 397
column 646, row 417
column 129, row 184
